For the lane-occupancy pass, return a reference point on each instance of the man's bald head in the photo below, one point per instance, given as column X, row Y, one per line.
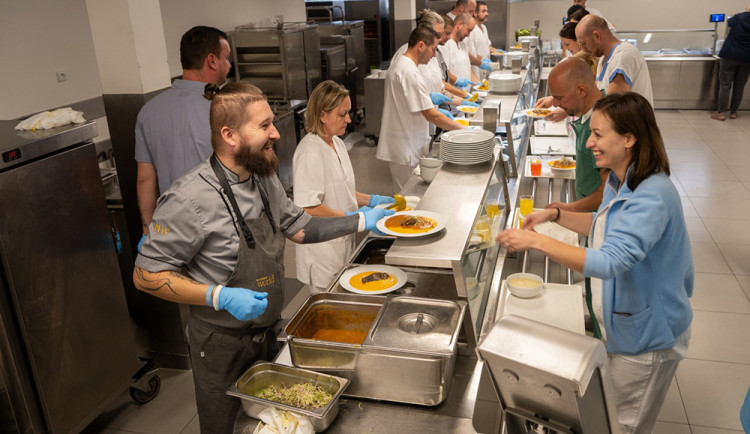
column 572, row 71
column 594, row 36
column 590, row 22
column 572, row 86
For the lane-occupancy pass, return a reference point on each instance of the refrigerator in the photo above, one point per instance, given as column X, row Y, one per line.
column 67, row 348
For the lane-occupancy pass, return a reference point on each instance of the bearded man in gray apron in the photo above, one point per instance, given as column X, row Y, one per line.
column 216, row 242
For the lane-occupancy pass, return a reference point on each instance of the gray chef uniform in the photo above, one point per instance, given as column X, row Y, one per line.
column 194, row 232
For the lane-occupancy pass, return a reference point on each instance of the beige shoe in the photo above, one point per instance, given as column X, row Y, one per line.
column 718, row 116
column 733, row 115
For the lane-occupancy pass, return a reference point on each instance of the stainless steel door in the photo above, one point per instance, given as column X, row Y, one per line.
column 62, row 278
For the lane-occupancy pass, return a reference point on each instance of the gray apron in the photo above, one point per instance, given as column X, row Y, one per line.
column 222, row 347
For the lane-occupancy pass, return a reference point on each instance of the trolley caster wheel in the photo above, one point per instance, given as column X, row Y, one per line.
column 146, row 392
column 371, row 141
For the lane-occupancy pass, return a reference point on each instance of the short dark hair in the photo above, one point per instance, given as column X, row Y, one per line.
column 197, row 43
column 631, row 113
column 569, row 31
column 578, row 15
column 462, row 3
column 422, row 34
column 481, row 3
column 573, row 9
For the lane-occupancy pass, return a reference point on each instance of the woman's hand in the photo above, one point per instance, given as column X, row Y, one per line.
column 535, row 218
column 515, row 239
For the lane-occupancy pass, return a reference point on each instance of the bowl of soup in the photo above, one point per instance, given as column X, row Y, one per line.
column 525, row 285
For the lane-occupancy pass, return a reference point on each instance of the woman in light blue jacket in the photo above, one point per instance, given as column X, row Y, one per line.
column 639, row 262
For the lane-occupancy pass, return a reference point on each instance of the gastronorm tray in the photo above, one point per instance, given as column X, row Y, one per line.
column 552, row 146
column 544, row 127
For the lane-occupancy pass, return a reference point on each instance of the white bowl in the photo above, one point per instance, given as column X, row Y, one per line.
column 428, row 173
column 522, row 292
column 430, row 162
column 560, row 171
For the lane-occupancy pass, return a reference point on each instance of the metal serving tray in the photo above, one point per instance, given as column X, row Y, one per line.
column 264, row 374
column 377, row 371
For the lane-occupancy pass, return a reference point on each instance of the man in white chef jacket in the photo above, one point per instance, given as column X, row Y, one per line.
column 455, row 53
column 467, row 6
column 479, row 39
column 408, row 110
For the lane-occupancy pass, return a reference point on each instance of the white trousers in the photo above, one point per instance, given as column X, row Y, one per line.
column 400, row 174
column 641, row 383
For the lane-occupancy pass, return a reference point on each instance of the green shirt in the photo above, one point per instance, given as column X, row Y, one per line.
column 587, row 174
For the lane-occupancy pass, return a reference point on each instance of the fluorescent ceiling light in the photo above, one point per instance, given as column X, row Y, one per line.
column 647, row 38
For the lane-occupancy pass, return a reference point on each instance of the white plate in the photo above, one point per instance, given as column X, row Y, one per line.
column 439, row 219
column 530, row 113
column 398, row 273
column 468, row 109
column 468, row 136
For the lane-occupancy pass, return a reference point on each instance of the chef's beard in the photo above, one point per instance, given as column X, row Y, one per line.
column 256, row 161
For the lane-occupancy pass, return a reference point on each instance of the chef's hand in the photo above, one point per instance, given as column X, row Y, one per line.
column 545, row 102
column 446, row 113
column 140, row 243
column 463, row 82
column 485, row 65
column 242, row 303
column 438, row 98
column 515, row 239
column 535, row 218
column 372, row 216
column 361, row 209
column 469, row 104
column 557, row 115
column 376, row 200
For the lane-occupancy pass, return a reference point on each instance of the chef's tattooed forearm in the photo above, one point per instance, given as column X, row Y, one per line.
column 327, row 228
column 154, row 282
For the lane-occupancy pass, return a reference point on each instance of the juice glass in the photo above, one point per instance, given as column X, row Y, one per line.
column 536, row 167
column 527, row 206
column 493, row 210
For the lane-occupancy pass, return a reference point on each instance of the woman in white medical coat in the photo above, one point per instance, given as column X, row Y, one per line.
column 324, row 182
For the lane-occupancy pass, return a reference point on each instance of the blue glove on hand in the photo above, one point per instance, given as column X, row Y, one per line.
column 140, row 243
column 438, row 98
column 360, row 209
column 376, row 200
column 485, row 65
column 469, row 104
column 446, row 113
column 372, row 216
column 242, row 303
column 463, row 82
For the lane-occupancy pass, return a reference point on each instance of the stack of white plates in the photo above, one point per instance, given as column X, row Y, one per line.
column 467, row 147
column 501, row 82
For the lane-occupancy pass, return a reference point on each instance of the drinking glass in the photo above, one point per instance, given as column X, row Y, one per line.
column 536, row 167
column 527, row 206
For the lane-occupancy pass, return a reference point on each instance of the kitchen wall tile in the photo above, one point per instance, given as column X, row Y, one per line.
column 713, row 392
column 737, row 256
column 718, row 336
column 708, row 259
column 719, row 293
column 672, row 410
column 671, row 428
column 697, row 230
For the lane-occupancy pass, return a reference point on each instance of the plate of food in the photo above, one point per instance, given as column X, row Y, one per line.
column 468, row 109
column 372, row 279
column 412, row 223
column 411, row 203
column 484, row 86
column 563, row 166
column 538, row 112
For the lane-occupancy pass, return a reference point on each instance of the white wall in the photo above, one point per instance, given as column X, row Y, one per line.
column 624, row 14
column 179, row 16
column 38, row 38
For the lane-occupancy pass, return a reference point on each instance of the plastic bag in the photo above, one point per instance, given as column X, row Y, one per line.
column 282, row 422
column 47, row 120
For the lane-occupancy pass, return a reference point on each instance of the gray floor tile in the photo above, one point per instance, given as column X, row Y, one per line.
column 714, row 188
column 708, row 259
column 703, row 172
column 671, row 428
column 697, row 230
column 693, row 156
column 688, row 210
column 719, row 293
column 728, row 231
column 193, row 427
column 744, row 283
column 737, row 256
column 707, row 430
column 742, row 172
column 713, row 392
column 673, row 410
column 739, row 158
column 718, row 336
column 720, row 208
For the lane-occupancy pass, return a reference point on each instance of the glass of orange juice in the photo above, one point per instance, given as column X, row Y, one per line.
column 493, row 209
column 527, row 206
column 536, row 167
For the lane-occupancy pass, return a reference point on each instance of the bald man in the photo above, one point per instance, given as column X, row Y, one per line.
column 574, row 90
column 462, row 6
column 621, row 68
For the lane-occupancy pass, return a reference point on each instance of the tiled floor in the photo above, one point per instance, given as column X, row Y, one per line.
column 710, row 163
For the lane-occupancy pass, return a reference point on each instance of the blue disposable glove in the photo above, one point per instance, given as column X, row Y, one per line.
column 376, row 200
column 446, row 113
column 242, row 303
column 485, row 64
column 372, row 216
column 140, row 243
column 463, row 82
column 469, row 104
column 361, row 209
column 438, row 98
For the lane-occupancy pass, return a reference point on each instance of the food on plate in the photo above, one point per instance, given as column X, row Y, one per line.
column 343, row 336
column 563, row 163
column 372, row 281
column 468, row 109
column 399, row 204
column 473, row 98
column 485, row 85
column 410, row 224
column 539, row 112
column 522, row 282
column 464, row 122
column 300, row 395
column 374, row 277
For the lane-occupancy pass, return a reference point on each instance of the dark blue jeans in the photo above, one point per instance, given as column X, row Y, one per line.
column 732, row 73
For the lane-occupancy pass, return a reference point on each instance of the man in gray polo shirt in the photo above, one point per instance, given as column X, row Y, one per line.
column 216, row 242
column 172, row 134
